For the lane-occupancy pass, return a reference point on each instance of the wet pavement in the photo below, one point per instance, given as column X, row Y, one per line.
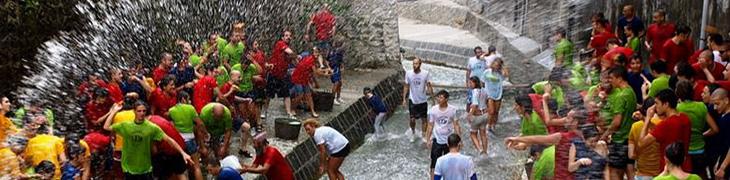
column 397, row 157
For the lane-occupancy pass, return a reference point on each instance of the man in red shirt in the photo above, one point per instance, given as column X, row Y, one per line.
column 599, row 40
column 164, row 97
column 268, row 161
column 657, row 34
column 324, row 22
column 614, row 49
column 115, row 91
column 674, row 128
column 678, row 48
column 706, row 67
column 88, row 87
column 162, row 69
column 166, row 161
column 96, row 110
column 205, row 88
column 301, row 78
column 278, row 80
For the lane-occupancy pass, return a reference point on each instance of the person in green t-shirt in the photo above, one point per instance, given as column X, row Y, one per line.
column 621, row 103
column 545, row 165
column 246, row 96
column 233, row 51
column 138, row 138
column 563, row 50
column 222, row 76
column 219, row 124
column 557, row 91
column 698, row 116
column 661, row 82
column 674, row 154
column 531, row 123
column 632, row 38
column 213, row 44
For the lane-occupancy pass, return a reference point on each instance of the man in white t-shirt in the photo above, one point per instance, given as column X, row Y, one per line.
column 415, row 94
column 330, row 143
column 474, row 68
column 442, row 123
column 454, row 165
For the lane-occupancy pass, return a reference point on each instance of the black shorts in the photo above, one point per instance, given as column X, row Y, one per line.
column 277, row 87
column 618, row 155
column 437, row 150
column 145, row 176
column 342, row 153
column 418, row 110
column 164, row 166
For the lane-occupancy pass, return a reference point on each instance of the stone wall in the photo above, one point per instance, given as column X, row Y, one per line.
column 353, row 122
column 516, row 50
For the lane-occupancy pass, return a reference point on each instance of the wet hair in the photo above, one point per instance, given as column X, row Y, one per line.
column 646, row 104
column 716, row 38
column 477, row 48
column 675, row 153
column 366, row 90
column 636, row 56
column 634, row 30
column 182, row 95
column 491, row 49
column 45, row 167
column 667, row 96
column 128, row 103
column 659, row 67
column 476, row 81
column 562, row 32
column 574, row 98
column 166, row 80
column 311, row 122
column 685, row 70
column 682, row 29
column 210, row 66
column 142, row 103
column 588, row 130
column 453, row 140
column 525, row 102
column 613, row 41
column 619, row 72
column 443, row 93
column 621, row 59
column 684, row 90
column 712, row 87
column 73, row 149
column 100, row 92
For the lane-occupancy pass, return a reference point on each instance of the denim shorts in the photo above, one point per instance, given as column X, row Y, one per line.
column 191, row 147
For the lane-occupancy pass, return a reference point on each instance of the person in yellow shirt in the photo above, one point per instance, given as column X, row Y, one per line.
column 7, row 127
column 44, row 147
column 647, row 159
column 10, row 162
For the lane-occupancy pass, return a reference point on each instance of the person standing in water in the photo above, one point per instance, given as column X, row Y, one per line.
column 477, row 117
column 493, row 79
column 442, row 122
column 333, row 147
column 417, row 83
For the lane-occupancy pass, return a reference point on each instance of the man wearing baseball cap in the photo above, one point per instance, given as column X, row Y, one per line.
column 268, row 161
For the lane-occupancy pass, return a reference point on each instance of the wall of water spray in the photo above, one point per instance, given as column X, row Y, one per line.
column 122, row 32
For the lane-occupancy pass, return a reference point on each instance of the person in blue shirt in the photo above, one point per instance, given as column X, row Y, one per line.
column 454, row 165
column 378, row 106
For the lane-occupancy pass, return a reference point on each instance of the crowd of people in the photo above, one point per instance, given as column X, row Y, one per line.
column 637, row 103
column 177, row 120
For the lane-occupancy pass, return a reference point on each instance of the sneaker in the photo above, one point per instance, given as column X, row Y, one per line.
column 263, row 116
column 336, row 102
column 245, row 154
column 340, row 100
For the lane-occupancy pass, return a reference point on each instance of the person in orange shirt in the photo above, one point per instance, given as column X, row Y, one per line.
column 7, row 127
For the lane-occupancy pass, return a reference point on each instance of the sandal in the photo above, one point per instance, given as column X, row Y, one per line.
column 314, row 115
